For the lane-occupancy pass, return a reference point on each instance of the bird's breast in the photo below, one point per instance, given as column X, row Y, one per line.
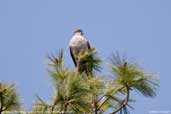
column 78, row 42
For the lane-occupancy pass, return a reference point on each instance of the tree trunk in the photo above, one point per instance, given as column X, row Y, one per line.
column 1, row 101
column 65, row 108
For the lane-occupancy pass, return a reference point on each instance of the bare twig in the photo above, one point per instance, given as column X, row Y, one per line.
column 125, row 101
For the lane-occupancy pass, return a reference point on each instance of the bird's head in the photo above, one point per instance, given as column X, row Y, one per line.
column 78, row 31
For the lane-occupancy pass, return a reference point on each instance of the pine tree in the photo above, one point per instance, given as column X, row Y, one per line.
column 9, row 99
column 85, row 90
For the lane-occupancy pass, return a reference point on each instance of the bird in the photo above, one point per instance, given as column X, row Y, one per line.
column 78, row 43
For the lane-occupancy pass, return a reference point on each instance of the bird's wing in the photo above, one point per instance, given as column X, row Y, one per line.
column 88, row 44
column 73, row 58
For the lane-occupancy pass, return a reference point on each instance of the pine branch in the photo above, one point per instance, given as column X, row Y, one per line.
column 125, row 101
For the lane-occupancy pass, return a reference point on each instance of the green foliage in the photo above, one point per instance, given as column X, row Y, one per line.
column 88, row 61
column 9, row 99
column 82, row 91
column 70, row 90
column 129, row 76
column 135, row 77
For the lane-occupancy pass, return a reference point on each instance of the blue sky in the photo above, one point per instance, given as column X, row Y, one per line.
column 31, row 29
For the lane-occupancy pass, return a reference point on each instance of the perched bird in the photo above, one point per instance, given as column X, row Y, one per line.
column 78, row 43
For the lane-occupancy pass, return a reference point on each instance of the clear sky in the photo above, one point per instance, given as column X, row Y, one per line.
column 30, row 29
